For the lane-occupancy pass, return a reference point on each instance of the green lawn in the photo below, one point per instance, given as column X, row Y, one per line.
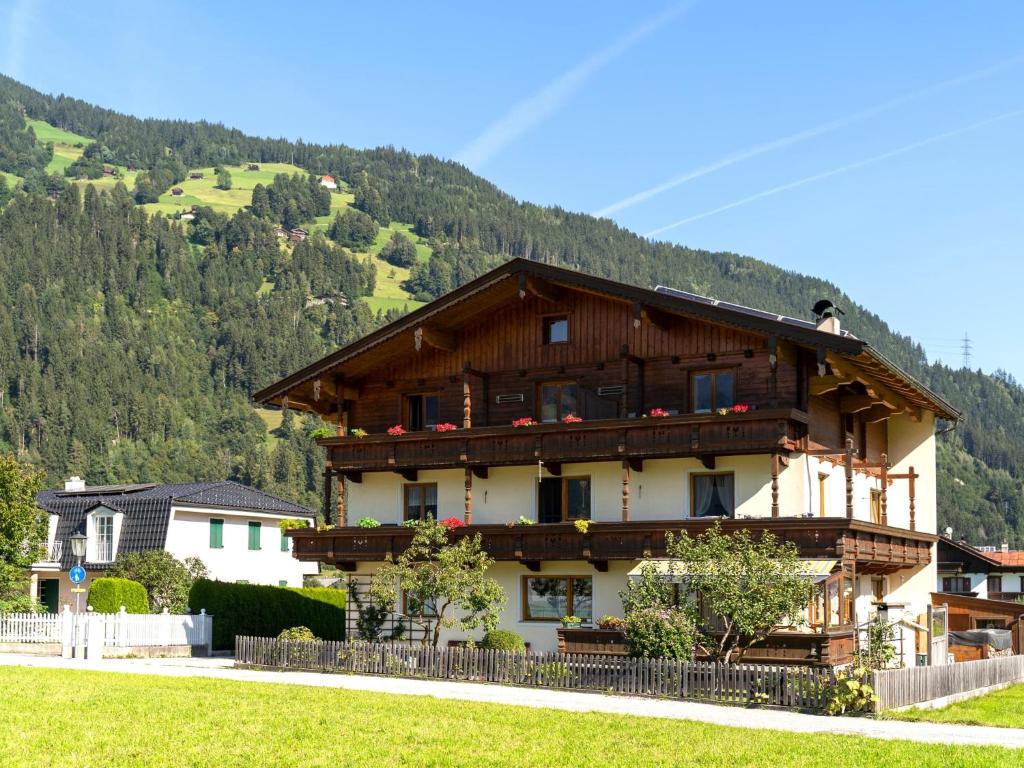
column 203, row 192
column 385, row 303
column 96, row 719
column 1003, row 708
column 46, row 132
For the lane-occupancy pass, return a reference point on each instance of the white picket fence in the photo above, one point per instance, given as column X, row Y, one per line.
column 30, row 628
column 90, row 633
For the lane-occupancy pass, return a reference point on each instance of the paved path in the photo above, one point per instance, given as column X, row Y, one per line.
column 222, row 668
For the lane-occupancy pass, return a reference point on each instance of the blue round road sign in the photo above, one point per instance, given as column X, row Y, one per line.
column 77, row 574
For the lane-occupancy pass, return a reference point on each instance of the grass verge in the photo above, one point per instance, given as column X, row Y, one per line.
column 1003, row 708
column 92, row 719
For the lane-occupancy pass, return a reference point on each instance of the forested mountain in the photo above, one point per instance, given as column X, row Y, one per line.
column 130, row 343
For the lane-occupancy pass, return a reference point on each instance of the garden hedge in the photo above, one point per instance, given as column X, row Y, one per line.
column 108, row 594
column 263, row 611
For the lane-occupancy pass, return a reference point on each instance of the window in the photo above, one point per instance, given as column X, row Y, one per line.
column 995, row 584
column 216, row 533
column 551, row 598
column 284, row 542
column 556, row 330
column 822, row 494
column 563, row 498
column 712, row 390
column 557, row 400
column 956, row 584
column 104, row 526
column 712, row 495
column 421, row 501
column 254, row 535
column 411, row 605
column 876, row 506
column 421, row 411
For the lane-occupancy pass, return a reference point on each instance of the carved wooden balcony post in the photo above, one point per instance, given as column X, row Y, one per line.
column 625, row 491
column 913, row 507
column 327, row 496
column 467, row 399
column 468, row 515
column 775, row 484
column 884, row 496
column 849, row 477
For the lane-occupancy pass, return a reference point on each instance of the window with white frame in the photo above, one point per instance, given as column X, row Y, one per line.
column 103, row 528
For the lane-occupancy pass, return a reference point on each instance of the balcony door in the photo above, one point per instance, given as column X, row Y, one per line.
column 422, row 411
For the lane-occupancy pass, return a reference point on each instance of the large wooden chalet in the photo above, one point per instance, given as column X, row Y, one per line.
column 653, row 411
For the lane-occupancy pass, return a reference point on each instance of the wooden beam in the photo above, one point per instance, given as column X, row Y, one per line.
column 354, row 477
column 822, row 385
column 437, row 338
column 601, row 566
column 531, row 565
column 468, row 514
column 849, row 478
column 328, row 482
column 883, row 501
column 346, row 566
column 410, row 475
column 708, row 460
column 467, row 400
column 655, row 317
column 636, row 465
column 855, row 403
column 542, row 289
column 876, row 413
column 481, row 472
column 553, row 468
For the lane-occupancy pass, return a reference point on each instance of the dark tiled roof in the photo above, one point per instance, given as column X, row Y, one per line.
column 147, row 508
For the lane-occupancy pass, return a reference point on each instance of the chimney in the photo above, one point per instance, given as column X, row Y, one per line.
column 829, row 324
column 74, row 484
column 1004, row 548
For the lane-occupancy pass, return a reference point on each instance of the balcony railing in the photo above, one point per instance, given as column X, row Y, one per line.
column 1009, row 597
column 758, row 431
column 53, row 553
column 876, row 548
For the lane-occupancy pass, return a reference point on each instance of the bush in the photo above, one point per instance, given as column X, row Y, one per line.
column 399, row 251
column 304, row 634
column 660, row 633
column 107, row 595
column 503, row 640
column 263, row 611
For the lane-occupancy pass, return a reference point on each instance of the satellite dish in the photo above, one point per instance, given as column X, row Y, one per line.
column 949, row 532
column 825, row 308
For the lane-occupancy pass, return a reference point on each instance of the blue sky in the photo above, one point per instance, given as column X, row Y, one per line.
column 877, row 145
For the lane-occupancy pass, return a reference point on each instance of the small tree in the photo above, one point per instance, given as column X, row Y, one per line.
column 166, row 579
column 750, row 586
column 445, row 584
column 657, row 624
column 399, row 251
column 223, row 179
column 23, row 532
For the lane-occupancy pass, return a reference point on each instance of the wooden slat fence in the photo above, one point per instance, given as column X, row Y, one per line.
column 30, row 628
column 914, row 685
column 785, row 686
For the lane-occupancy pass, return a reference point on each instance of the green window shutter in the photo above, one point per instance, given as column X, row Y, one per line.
column 254, row 535
column 284, row 542
column 216, row 533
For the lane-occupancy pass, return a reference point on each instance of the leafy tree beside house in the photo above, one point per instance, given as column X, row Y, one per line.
column 23, row 532
column 444, row 584
column 751, row 585
column 167, row 580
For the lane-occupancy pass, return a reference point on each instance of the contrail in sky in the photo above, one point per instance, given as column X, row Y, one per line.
column 18, row 22
column 837, row 171
column 539, row 106
column 796, row 138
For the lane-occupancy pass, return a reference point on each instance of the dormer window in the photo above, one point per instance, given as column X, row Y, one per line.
column 556, row 330
column 101, row 535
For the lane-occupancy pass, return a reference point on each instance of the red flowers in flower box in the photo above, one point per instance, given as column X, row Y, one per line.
column 452, row 522
column 396, row 430
column 446, row 427
column 740, row 408
column 571, row 418
column 526, row 421
column 658, row 413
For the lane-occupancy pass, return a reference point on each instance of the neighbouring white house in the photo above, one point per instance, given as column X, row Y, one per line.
column 328, row 182
column 985, row 572
column 232, row 528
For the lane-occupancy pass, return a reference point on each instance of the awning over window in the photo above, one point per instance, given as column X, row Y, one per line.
column 675, row 570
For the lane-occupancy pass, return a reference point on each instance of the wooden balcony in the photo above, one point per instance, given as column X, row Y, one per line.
column 874, row 548
column 760, row 431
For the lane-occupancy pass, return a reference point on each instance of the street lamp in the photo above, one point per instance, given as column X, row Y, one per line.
column 78, row 541
column 78, row 546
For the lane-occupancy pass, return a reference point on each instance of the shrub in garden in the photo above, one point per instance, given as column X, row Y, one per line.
column 661, row 633
column 301, row 634
column 107, row 595
column 264, row 611
column 503, row 640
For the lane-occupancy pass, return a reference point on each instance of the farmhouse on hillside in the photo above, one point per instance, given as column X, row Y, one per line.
column 177, row 191
column 535, row 397
column 328, row 182
column 196, row 175
column 231, row 527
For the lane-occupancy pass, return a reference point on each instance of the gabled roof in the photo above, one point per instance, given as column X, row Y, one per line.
column 858, row 352
column 980, row 560
column 147, row 508
column 1013, row 558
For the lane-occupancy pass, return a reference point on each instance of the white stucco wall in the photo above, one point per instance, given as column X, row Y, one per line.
column 188, row 535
